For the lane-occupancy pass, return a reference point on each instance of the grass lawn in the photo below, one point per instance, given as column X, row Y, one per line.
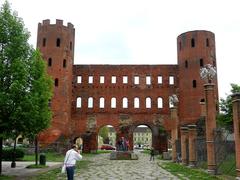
column 183, row 172
column 50, row 156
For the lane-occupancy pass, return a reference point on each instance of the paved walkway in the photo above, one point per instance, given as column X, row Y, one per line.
column 100, row 168
column 103, row 168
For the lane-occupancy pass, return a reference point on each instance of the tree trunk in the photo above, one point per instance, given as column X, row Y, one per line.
column 1, row 147
column 36, row 150
column 13, row 164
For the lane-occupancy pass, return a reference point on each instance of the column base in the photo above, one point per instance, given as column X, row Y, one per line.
column 192, row 164
column 211, row 171
column 184, row 162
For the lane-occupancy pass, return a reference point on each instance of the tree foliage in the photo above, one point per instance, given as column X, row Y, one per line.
column 25, row 87
column 104, row 132
column 225, row 118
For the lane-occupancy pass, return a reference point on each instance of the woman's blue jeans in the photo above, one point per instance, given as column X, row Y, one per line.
column 70, row 172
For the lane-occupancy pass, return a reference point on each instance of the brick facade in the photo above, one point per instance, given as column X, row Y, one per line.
column 76, row 105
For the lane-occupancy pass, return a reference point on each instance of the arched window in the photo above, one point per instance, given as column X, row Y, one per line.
column 113, row 102
column 44, row 42
column 148, row 102
column 125, row 102
column 58, row 42
column 101, row 102
column 186, row 64
column 79, row 102
column 192, row 42
column 56, row 82
column 180, row 46
column 160, row 102
column 194, row 83
column 90, row 102
column 70, row 45
column 64, row 63
column 136, row 102
column 49, row 62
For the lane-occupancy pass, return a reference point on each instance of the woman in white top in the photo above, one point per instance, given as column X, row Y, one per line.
column 70, row 159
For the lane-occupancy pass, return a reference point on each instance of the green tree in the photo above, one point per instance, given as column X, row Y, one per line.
column 104, row 133
column 25, row 88
column 40, row 92
column 225, row 117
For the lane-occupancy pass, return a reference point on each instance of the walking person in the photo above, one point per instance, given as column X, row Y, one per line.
column 70, row 159
column 152, row 154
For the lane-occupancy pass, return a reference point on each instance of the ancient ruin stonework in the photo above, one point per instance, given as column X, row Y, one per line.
column 88, row 97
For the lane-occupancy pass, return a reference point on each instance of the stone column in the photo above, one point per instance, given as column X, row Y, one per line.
column 210, row 126
column 184, row 136
column 174, row 133
column 192, row 133
column 236, row 122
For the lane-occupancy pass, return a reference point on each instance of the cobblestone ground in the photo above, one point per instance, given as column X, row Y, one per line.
column 104, row 168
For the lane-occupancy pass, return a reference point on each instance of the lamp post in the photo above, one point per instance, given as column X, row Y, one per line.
column 208, row 73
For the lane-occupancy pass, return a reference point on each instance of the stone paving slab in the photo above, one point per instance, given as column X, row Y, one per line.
column 105, row 169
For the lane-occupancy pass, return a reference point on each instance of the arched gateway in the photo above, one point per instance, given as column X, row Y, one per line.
column 87, row 97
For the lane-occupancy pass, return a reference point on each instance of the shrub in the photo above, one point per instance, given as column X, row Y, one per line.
column 8, row 154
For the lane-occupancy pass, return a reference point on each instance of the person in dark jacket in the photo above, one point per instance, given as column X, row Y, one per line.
column 152, row 154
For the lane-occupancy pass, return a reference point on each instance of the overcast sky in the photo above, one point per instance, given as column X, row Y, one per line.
column 141, row 31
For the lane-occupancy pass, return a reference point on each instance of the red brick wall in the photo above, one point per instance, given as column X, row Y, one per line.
column 72, row 121
column 189, row 97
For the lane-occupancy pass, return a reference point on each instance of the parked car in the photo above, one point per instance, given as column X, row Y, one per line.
column 107, row 147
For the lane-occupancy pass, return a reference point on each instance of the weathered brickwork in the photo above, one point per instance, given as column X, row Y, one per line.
column 88, row 97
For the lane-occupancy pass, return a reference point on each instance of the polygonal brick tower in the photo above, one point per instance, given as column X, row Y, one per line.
column 56, row 43
column 195, row 50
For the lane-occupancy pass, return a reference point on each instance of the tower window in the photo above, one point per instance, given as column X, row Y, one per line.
column 186, row 64
column 44, row 42
column 70, row 45
column 56, row 82
column 207, row 42
column 180, row 46
column 201, row 62
column 50, row 62
column 58, row 42
column 64, row 63
column 192, row 42
column 194, row 83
